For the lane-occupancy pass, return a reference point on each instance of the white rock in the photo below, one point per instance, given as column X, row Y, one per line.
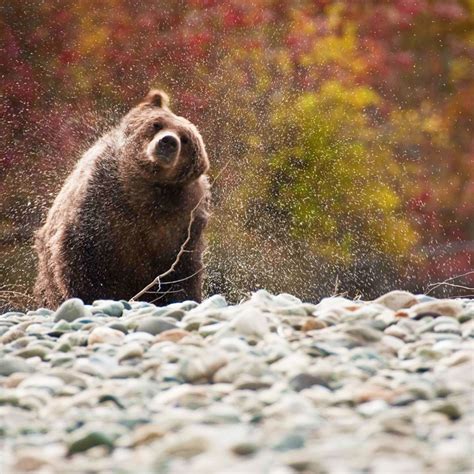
column 202, row 368
column 393, row 343
column 251, row 322
column 105, row 335
column 443, row 307
column 130, row 350
column 396, row 300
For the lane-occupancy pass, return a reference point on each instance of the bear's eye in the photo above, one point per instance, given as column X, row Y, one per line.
column 157, row 126
column 184, row 140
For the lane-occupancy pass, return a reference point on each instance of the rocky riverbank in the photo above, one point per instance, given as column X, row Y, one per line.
column 272, row 385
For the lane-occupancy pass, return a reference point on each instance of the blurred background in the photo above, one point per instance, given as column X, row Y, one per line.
column 342, row 131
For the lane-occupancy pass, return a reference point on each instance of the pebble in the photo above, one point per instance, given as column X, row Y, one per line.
column 90, row 440
column 301, row 381
column 11, row 365
column 154, row 325
column 29, row 352
column 452, row 308
column 396, row 300
column 311, row 324
column 173, row 335
column 109, row 307
column 272, row 384
column 71, row 310
column 130, row 351
column 101, row 335
column 251, row 322
column 202, row 368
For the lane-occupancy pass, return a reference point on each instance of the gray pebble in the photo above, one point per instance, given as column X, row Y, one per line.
column 153, row 325
column 302, row 381
column 10, row 365
column 71, row 310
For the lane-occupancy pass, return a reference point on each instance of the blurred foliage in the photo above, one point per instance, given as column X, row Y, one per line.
column 345, row 129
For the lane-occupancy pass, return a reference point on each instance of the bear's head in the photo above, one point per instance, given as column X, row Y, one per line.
column 161, row 146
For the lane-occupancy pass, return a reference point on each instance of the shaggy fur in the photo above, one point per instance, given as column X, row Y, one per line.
column 123, row 214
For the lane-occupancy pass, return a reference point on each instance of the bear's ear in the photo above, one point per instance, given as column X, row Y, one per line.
column 156, row 98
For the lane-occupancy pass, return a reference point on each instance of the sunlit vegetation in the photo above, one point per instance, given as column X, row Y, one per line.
column 346, row 129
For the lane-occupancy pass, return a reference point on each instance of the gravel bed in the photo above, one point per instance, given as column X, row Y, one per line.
column 271, row 385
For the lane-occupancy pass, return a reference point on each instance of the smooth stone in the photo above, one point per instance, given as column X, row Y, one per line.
column 102, row 334
column 436, row 321
column 467, row 315
column 396, row 331
column 185, row 445
column 393, row 343
column 365, row 333
column 29, row 352
column 126, row 304
column 301, row 381
column 145, row 434
column 290, row 442
column 253, row 385
column 47, row 382
column 372, row 408
column 61, row 326
column 30, row 463
column 447, row 328
column 140, row 337
column 286, row 299
column 329, row 317
column 245, row 448
column 11, row 365
column 251, row 322
column 44, row 312
column 219, row 413
column 109, row 307
column 214, row 302
column 21, row 342
column 385, row 319
column 118, row 326
column 71, row 310
column 13, row 314
column 12, row 334
column 451, row 410
column 60, row 360
column 90, row 440
column 187, row 305
column 70, row 377
column 177, row 313
column 296, row 310
column 422, row 390
column 210, row 329
column 173, row 335
column 130, row 351
column 153, row 325
column 125, row 373
column 396, row 300
column 311, row 324
column 452, row 308
column 202, row 368
column 111, row 398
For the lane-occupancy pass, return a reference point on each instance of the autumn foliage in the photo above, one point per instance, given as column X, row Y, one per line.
column 345, row 129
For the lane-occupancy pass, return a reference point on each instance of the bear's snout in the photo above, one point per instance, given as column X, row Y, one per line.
column 165, row 148
column 168, row 145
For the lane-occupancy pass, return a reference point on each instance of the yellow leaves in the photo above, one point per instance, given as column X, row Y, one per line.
column 460, row 69
column 358, row 97
column 338, row 49
column 335, row 182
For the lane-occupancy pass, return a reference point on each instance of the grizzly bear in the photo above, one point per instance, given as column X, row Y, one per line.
column 126, row 210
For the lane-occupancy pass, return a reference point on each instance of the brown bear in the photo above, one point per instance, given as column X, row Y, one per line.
column 124, row 213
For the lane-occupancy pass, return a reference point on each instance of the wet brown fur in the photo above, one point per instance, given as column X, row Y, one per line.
column 120, row 220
